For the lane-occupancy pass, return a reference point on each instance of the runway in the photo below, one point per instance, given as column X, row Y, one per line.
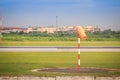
column 58, row 49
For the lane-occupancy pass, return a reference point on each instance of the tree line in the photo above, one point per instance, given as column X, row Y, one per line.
column 106, row 35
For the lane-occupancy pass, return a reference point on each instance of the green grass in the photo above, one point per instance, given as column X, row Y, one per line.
column 21, row 63
column 59, row 43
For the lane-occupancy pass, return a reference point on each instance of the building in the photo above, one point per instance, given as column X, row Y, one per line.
column 96, row 29
column 29, row 29
column 11, row 29
column 89, row 29
column 25, row 30
column 41, row 29
column 67, row 29
column 47, row 29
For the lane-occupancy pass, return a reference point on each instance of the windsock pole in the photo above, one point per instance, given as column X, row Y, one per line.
column 82, row 35
column 78, row 54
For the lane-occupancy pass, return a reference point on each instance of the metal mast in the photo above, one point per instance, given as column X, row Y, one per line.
column 0, row 28
column 56, row 23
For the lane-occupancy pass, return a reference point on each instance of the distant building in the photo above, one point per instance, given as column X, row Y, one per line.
column 41, row 29
column 25, row 30
column 67, row 29
column 47, row 29
column 89, row 29
column 11, row 29
column 96, row 29
column 29, row 29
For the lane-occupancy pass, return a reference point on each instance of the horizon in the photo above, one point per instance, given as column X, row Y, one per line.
column 34, row 27
column 23, row 13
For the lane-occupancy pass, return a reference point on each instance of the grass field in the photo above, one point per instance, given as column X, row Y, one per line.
column 59, row 43
column 21, row 63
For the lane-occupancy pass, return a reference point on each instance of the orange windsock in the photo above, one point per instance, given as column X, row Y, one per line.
column 81, row 33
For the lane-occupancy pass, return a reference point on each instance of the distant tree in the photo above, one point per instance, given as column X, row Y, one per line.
column 21, row 32
column 107, row 31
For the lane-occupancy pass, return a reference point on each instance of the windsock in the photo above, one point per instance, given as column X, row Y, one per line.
column 81, row 33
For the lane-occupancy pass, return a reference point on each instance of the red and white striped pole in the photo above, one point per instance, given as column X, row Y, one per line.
column 78, row 54
column 82, row 35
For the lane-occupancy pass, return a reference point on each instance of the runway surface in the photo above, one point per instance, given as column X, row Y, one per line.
column 58, row 49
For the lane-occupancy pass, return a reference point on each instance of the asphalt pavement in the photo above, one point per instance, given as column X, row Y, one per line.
column 59, row 49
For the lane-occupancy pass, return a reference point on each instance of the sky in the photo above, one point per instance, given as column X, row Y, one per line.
column 24, row 13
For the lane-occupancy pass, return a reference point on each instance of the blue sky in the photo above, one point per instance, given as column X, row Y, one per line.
column 104, row 13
